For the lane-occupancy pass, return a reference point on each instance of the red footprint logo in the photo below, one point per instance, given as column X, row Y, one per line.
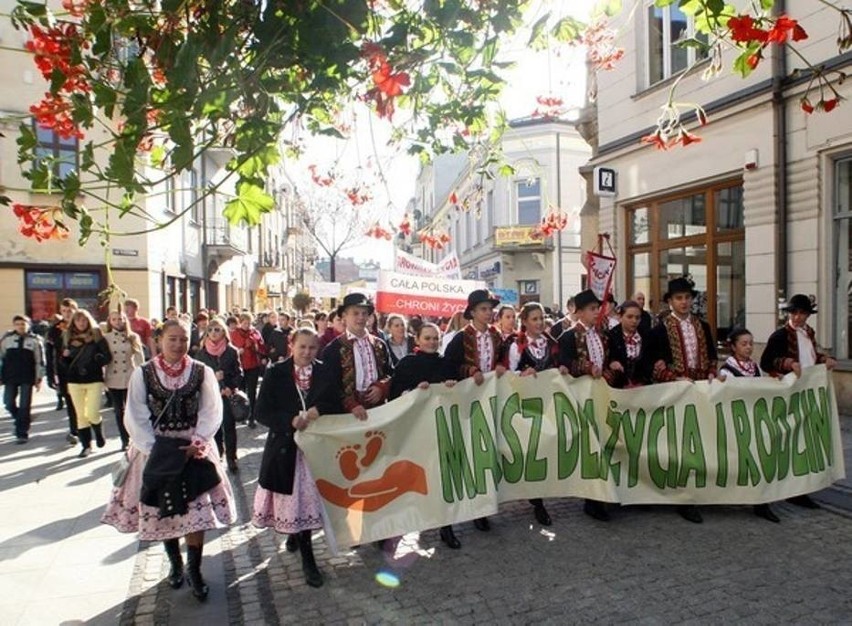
column 371, row 495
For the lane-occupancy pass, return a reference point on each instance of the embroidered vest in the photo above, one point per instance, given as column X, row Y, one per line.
column 471, row 351
column 182, row 412
column 678, row 367
column 347, row 364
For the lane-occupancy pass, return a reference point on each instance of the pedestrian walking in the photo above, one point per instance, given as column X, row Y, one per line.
column 175, row 485
column 82, row 359
column 22, row 368
column 249, row 344
column 128, row 353
column 55, row 374
column 294, row 393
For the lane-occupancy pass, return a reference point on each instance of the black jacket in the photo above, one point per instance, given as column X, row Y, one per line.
column 409, row 339
column 277, row 342
column 85, row 363
column 22, row 358
column 636, row 371
column 417, row 368
column 228, row 362
column 277, row 404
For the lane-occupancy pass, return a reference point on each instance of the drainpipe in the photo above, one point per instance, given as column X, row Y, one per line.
column 779, row 120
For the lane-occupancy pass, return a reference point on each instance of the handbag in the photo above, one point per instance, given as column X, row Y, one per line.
column 240, row 406
column 119, row 469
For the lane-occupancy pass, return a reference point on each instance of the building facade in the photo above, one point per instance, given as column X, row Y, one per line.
column 493, row 222
column 758, row 210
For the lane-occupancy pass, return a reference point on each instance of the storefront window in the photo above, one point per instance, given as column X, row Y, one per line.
column 699, row 234
column 46, row 289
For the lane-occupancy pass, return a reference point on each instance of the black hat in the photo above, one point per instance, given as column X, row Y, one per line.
column 800, row 302
column 680, row 285
column 355, row 299
column 478, row 297
column 584, row 299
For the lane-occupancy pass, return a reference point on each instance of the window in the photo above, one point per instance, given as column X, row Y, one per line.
column 469, row 230
column 194, row 198
column 699, row 233
column 843, row 258
column 529, row 201
column 666, row 26
column 57, row 153
column 169, row 197
column 486, row 218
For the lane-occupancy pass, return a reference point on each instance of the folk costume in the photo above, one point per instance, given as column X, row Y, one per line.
column 542, row 353
column 472, row 350
column 287, row 499
column 356, row 364
column 790, row 345
column 632, row 351
column 684, row 345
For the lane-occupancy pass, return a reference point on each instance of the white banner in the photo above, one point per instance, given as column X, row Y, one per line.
column 421, row 295
column 601, row 269
column 441, row 455
column 410, row 264
column 324, row 290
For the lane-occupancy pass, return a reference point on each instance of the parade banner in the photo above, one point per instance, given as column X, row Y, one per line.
column 445, row 455
column 409, row 264
column 422, row 295
column 319, row 289
column 601, row 269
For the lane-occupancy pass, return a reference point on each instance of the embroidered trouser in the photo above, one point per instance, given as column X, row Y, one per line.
column 87, row 402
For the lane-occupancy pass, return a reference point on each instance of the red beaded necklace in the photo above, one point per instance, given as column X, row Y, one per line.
column 172, row 371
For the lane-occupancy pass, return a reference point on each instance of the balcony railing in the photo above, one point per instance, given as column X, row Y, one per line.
column 220, row 233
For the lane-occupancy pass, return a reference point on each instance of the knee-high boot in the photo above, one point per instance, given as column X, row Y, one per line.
column 176, row 561
column 309, row 565
column 99, row 435
column 85, row 437
column 193, row 572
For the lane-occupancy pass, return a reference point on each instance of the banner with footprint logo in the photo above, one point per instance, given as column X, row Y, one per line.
column 440, row 456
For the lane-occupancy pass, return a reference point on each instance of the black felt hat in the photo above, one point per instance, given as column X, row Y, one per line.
column 584, row 299
column 680, row 285
column 355, row 299
column 478, row 297
column 800, row 302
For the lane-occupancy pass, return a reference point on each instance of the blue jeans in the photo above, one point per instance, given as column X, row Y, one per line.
column 20, row 412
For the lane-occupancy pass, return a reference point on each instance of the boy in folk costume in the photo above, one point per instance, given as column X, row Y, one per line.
column 357, row 361
column 682, row 348
column 584, row 350
column 791, row 348
column 475, row 350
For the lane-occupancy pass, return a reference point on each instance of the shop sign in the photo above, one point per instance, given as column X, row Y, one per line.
column 44, row 280
column 515, row 236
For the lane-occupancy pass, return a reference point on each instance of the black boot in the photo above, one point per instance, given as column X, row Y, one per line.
column 803, row 501
column 176, row 571
column 85, row 437
column 292, row 543
column 193, row 573
column 99, row 435
column 540, row 513
column 482, row 523
column 309, row 565
column 690, row 513
column 596, row 509
column 763, row 510
column 449, row 538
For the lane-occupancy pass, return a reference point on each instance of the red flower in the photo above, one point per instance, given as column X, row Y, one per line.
column 806, row 105
column 454, row 199
column 389, row 83
column 828, row 105
column 754, row 59
column 686, row 138
column 799, row 33
column 54, row 112
column 656, row 139
column 405, row 226
column 744, row 30
column 40, row 223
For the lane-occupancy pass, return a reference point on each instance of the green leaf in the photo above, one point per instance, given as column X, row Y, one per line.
column 250, row 203
column 568, row 29
column 608, row 8
column 537, row 34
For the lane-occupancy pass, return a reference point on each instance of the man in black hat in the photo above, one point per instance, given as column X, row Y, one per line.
column 682, row 348
column 475, row 350
column 791, row 348
column 583, row 350
column 358, row 362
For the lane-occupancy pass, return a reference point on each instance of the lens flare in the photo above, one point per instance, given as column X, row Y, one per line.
column 387, row 579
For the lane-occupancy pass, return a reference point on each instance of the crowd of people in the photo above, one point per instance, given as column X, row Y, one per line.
column 176, row 389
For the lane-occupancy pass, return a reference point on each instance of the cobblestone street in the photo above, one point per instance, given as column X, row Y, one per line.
column 646, row 565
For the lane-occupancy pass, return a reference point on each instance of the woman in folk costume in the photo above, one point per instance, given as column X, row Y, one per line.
column 417, row 371
column 530, row 351
column 358, row 362
column 293, row 393
column 792, row 348
column 741, row 365
column 629, row 354
column 583, row 351
column 683, row 349
column 175, row 485
column 475, row 350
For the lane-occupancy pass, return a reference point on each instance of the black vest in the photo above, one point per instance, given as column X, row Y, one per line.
column 182, row 412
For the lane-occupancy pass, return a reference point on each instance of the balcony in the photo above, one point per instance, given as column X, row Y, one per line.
column 223, row 239
column 269, row 262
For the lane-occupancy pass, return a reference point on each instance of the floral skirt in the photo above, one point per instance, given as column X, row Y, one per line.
column 212, row 509
column 290, row 513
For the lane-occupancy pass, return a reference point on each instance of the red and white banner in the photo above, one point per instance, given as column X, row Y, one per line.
column 410, row 264
column 601, row 269
column 422, row 295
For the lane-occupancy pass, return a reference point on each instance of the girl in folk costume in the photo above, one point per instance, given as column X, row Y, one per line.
column 791, row 348
column 358, row 362
column 399, row 341
column 249, row 344
column 530, row 351
column 83, row 354
column 175, row 485
column 417, row 371
column 507, row 321
column 125, row 346
column 683, row 349
column 741, row 365
column 476, row 350
column 629, row 362
column 218, row 354
column 583, row 350
column 293, row 393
